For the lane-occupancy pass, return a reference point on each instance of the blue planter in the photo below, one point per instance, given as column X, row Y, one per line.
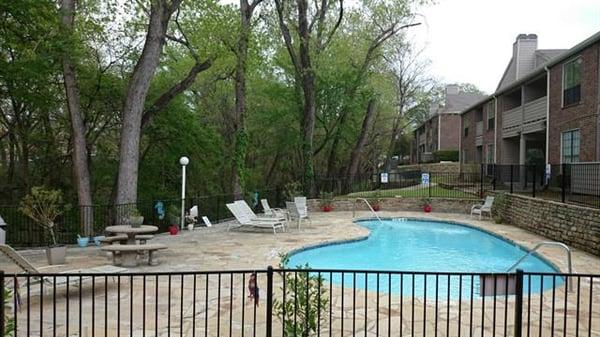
column 83, row 242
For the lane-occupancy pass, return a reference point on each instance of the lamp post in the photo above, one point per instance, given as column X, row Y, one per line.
column 183, row 161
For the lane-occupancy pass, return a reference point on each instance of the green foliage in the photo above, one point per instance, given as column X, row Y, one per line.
column 445, row 155
column 500, row 204
column 43, row 206
column 535, row 157
column 292, row 190
column 307, row 301
column 425, row 202
column 9, row 322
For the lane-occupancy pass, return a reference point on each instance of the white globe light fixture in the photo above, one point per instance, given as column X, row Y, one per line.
column 184, row 161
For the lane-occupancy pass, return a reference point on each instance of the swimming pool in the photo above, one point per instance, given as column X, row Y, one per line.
column 424, row 246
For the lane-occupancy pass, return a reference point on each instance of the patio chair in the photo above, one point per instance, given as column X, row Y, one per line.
column 302, row 207
column 192, row 216
column 486, row 207
column 272, row 212
column 30, row 269
column 245, row 221
column 293, row 213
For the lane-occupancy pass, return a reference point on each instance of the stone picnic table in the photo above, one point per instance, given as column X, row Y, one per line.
column 131, row 232
column 129, row 255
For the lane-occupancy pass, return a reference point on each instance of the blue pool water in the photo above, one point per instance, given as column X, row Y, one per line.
column 424, row 246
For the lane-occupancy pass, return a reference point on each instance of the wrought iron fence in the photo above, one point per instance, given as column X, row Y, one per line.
column 297, row 302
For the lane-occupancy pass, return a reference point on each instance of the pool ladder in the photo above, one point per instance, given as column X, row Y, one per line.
column 368, row 205
column 548, row 243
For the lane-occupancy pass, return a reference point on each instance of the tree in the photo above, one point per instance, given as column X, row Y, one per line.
column 309, row 45
column 79, row 155
column 240, row 136
column 134, row 115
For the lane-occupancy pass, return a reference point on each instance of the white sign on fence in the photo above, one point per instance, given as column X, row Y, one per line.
column 384, row 178
column 425, row 179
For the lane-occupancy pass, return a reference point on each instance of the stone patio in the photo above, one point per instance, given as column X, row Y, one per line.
column 189, row 302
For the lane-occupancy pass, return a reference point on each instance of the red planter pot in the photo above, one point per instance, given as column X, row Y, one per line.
column 427, row 208
column 173, row 230
column 376, row 207
column 327, row 208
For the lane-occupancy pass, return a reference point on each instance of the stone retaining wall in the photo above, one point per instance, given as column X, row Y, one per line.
column 450, row 167
column 443, row 205
column 573, row 225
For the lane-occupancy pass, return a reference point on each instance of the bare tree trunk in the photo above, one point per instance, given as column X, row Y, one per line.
column 79, row 155
column 362, row 139
column 137, row 90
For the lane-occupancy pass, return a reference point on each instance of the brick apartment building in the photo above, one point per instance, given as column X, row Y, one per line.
column 441, row 131
column 547, row 105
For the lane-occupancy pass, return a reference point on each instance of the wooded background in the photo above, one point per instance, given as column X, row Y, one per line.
column 100, row 99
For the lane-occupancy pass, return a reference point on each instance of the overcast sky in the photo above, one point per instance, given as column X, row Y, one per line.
column 471, row 40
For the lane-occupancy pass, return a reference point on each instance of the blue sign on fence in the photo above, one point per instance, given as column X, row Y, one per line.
column 425, row 179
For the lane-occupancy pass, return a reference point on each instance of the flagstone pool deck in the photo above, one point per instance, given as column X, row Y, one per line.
column 218, row 249
column 214, row 249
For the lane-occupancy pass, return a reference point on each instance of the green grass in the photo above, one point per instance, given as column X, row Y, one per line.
column 436, row 192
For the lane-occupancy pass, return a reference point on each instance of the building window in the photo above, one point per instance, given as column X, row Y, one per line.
column 570, row 146
column 490, row 153
column 491, row 114
column 572, row 82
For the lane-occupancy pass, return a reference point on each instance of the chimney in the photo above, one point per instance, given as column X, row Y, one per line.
column 524, row 54
column 452, row 89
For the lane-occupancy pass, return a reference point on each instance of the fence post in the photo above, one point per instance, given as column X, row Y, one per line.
column 563, row 182
column 269, row 322
column 429, row 185
column 518, row 303
column 534, row 179
column 481, row 182
column 495, row 177
column 2, row 299
column 511, row 178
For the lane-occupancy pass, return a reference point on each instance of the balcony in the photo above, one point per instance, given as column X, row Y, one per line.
column 479, row 133
column 530, row 117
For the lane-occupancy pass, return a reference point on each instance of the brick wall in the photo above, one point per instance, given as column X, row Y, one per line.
column 468, row 142
column 584, row 115
column 449, row 132
column 573, row 225
column 400, row 204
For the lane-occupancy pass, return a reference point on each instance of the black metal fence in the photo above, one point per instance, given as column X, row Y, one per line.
column 22, row 231
column 573, row 183
column 297, row 302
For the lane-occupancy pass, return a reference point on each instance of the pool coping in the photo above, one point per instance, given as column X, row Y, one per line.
column 453, row 222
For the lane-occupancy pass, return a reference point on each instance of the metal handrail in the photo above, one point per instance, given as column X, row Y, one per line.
column 368, row 205
column 548, row 243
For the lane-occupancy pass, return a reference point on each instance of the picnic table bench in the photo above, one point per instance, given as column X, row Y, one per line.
column 122, row 239
column 128, row 253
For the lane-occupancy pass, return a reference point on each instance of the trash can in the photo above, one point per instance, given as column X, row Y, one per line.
column 2, row 231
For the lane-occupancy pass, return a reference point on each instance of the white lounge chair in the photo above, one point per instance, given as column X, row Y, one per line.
column 302, row 207
column 486, row 207
column 244, row 220
column 245, row 208
column 272, row 212
column 30, row 269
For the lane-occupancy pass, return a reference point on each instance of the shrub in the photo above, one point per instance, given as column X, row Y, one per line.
column 292, row 190
column 43, row 206
column 445, row 155
column 326, row 199
column 307, row 301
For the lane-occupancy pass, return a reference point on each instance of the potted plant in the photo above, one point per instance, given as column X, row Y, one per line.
column 44, row 206
column 135, row 219
column 375, row 202
column 426, row 203
column 326, row 203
